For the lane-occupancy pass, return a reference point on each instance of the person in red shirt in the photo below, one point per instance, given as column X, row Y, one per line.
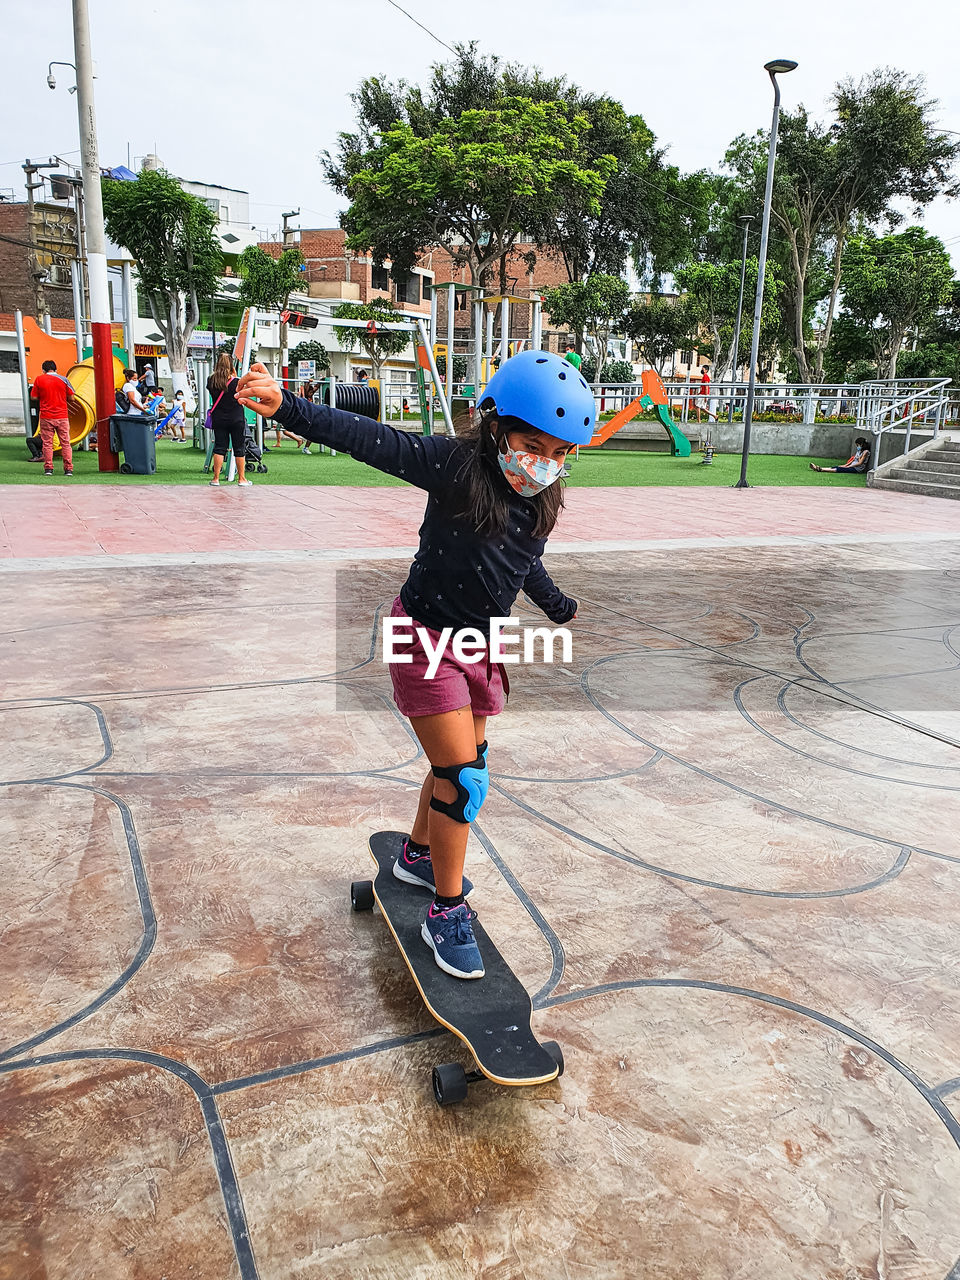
column 702, row 394
column 53, row 392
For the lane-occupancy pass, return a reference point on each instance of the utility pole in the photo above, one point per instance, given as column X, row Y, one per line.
column 284, row 332
column 95, row 237
column 37, row 275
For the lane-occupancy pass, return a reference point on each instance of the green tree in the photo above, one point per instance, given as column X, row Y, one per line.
column 310, row 350
column 616, row 372
column 850, row 347
column 894, row 285
column 378, row 344
column 267, row 283
column 881, row 147
column 169, row 233
column 471, row 185
column 937, row 354
column 645, row 210
column 459, row 367
column 660, row 326
column 594, row 306
column 713, row 290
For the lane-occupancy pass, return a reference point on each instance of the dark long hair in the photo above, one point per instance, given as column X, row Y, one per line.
column 482, row 490
column 223, row 372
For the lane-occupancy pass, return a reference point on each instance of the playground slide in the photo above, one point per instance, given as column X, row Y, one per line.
column 654, row 397
column 679, row 444
column 41, row 346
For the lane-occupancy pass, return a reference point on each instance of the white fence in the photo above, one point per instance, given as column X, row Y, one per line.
column 877, row 408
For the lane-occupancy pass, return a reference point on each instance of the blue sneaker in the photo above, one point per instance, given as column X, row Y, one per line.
column 450, row 936
column 419, row 870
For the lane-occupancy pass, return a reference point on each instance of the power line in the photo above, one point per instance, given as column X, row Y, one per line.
column 430, row 33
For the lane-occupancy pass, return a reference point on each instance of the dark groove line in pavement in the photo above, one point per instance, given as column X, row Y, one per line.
column 743, row 791
column 890, row 874
column 827, row 764
column 219, row 1147
column 950, row 1122
column 847, row 746
column 105, row 739
column 147, row 939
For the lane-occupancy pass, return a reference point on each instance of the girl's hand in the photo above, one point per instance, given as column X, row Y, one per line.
column 258, row 391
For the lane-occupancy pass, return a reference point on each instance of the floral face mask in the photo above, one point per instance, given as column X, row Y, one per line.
column 528, row 473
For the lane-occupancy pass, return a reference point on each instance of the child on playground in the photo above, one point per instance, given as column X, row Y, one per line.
column 494, row 495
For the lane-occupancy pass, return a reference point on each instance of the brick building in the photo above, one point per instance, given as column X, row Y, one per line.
column 38, row 244
column 335, row 273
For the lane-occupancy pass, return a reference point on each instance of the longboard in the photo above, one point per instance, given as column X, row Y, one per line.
column 491, row 1015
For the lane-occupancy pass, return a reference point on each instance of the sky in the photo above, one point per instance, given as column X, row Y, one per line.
column 246, row 94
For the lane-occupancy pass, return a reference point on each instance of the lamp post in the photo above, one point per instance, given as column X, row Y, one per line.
column 778, row 66
column 745, row 221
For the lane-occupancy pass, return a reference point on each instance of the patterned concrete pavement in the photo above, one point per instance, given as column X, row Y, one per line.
column 720, row 849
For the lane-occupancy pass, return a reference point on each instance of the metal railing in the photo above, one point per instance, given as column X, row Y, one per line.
column 875, row 408
column 901, row 404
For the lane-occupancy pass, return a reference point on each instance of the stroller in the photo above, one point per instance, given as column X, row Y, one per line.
column 252, row 452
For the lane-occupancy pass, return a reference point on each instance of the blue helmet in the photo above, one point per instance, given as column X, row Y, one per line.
column 546, row 391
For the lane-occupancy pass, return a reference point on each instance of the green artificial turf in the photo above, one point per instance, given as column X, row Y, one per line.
column 595, row 468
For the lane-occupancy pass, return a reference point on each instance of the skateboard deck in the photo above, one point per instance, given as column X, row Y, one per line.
column 491, row 1015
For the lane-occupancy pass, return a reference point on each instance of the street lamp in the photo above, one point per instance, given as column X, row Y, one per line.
column 779, row 66
column 745, row 221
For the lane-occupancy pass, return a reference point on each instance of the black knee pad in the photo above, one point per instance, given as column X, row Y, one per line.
column 471, row 781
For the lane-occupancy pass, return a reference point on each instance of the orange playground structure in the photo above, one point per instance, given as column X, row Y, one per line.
column 653, row 396
column 40, row 346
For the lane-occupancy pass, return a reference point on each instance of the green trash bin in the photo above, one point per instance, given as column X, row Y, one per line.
column 132, row 435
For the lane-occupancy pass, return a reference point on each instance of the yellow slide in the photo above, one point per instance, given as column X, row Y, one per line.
column 41, row 346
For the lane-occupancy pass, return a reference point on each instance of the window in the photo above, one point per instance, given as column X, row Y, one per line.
column 379, row 278
column 9, row 362
column 686, row 357
column 143, row 306
column 427, row 288
column 408, row 289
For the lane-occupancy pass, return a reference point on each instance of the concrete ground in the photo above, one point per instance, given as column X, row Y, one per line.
column 720, row 849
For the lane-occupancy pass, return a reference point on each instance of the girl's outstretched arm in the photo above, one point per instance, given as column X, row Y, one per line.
column 546, row 595
column 418, row 460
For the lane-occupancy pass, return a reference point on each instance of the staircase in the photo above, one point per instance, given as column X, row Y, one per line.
column 932, row 470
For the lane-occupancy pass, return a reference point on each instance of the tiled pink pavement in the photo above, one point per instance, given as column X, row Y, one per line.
column 721, row 849
column 90, row 520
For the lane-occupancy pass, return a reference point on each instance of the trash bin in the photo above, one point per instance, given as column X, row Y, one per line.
column 132, row 435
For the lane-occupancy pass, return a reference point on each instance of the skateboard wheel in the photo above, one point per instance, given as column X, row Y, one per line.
column 361, row 895
column 555, row 1052
column 449, row 1083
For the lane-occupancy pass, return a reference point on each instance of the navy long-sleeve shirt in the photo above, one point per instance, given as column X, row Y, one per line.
column 459, row 577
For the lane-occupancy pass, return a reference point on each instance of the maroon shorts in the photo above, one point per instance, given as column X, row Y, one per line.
column 478, row 685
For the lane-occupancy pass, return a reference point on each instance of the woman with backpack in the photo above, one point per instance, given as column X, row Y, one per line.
column 227, row 420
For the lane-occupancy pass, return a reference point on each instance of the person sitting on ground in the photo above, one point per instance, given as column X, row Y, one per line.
column 53, row 391
column 857, row 464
